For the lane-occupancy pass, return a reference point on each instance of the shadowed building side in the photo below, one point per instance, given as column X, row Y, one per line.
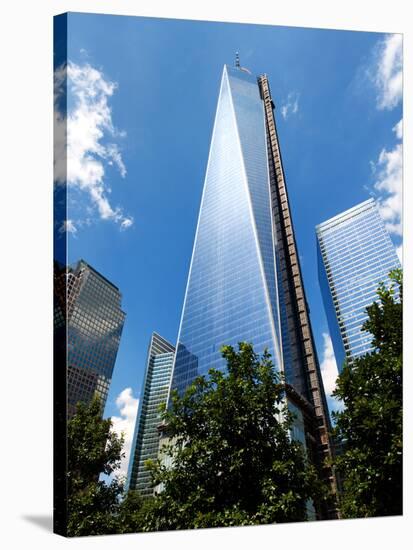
column 301, row 364
column 94, row 327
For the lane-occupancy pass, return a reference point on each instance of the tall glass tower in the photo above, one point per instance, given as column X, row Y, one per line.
column 154, row 392
column 244, row 281
column 88, row 307
column 355, row 253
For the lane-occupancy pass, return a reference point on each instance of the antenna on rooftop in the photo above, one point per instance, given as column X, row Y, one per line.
column 237, row 65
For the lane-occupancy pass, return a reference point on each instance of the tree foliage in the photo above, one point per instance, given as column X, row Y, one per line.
column 96, row 506
column 92, row 449
column 230, row 459
column 370, row 427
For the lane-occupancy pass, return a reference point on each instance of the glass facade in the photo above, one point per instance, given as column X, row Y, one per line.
column 231, row 293
column 154, row 392
column 94, row 326
column 355, row 253
column 244, row 280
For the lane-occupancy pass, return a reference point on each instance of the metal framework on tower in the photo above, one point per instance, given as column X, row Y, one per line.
column 317, row 418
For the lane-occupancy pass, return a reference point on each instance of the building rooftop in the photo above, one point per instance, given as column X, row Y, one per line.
column 346, row 214
column 81, row 261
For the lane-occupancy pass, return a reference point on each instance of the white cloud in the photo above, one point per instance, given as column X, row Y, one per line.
column 329, row 370
column 387, row 73
column 68, row 226
column 290, row 107
column 125, row 423
column 398, row 129
column 82, row 161
column 127, row 222
column 329, row 373
column 389, row 173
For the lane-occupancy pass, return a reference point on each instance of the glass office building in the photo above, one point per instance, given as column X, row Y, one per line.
column 154, row 392
column 355, row 253
column 244, row 280
column 231, row 290
column 91, row 307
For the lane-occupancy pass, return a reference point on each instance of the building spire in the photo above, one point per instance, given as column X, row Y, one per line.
column 237, row 65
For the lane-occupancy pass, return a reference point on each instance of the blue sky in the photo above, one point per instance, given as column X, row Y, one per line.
column 142, row 99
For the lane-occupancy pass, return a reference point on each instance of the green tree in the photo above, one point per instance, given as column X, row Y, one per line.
column 370, row 426
column 131, row 513
column 233, row 461
column 93, row 504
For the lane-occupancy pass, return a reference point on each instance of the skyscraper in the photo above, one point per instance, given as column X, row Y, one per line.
column 355, row 253
column 154, row 392
column 244, row 281
column 90, row 308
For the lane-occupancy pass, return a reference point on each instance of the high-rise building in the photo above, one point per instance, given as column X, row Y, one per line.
column 244, row 280
column 154, row 392
column 355, row 253
column 90, row 309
